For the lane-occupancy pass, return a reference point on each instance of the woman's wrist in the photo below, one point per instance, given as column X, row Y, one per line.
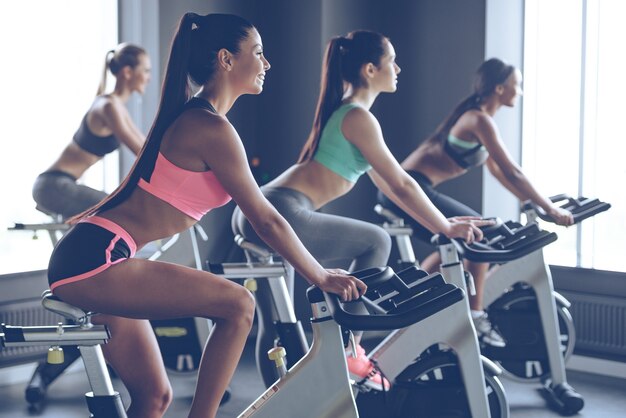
column 317, row 277
column 447, row 228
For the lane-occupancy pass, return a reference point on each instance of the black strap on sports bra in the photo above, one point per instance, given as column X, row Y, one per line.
column 198, row 102
column 459, row 157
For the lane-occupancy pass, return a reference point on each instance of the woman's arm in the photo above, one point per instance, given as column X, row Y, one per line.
column 510, row 174
column 362, row 129
column 226, row 156
column 118, row 119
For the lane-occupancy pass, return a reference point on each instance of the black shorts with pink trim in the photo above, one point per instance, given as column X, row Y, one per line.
column 90, row 247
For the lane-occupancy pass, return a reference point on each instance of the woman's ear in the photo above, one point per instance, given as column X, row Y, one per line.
column 126, row 73
column 368, row 70
column 499, row 89
column 225, row 59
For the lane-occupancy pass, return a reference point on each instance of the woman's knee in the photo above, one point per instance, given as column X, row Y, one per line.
column 164, row 397
column 153, row 398
column 248, row 307
column 241, row 307
column 381, row 241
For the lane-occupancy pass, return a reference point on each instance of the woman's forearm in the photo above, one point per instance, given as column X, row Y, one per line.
column 412, row 199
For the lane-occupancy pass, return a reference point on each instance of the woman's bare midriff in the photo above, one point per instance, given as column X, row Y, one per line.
column 432, row 161
column 147, row 218
column 74, row 160
column 315, row 181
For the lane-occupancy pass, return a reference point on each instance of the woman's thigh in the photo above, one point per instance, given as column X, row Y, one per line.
column 63, row 195
column 331, row 238
column 145, row 289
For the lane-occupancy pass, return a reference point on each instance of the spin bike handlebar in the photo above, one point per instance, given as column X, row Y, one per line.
column 413, row 305
column 581, row 207
column 502, row 242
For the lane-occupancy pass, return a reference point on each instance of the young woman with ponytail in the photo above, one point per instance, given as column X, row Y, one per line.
column 105, row 126
column 345, row 142
column 467, row 138
column 193, row 161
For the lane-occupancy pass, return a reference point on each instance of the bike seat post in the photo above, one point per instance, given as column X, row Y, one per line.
column 271, row 280
column 531, row 216
column 103, row 400
column 57, row 219
column 449, row 253
column 396, row 228
column 280, row 293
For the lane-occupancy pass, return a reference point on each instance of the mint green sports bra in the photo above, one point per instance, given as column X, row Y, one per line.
column 336, row 153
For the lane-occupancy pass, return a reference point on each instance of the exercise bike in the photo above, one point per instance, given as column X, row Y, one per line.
column 395, row 305
column 540, row 356
column 405, row 357
column 530, row 315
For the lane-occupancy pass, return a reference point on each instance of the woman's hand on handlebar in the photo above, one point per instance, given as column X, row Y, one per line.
column 561, row 216
column 467, row 227
column 341, row 283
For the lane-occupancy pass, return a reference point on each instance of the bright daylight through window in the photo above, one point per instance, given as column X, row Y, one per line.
column 573, row 108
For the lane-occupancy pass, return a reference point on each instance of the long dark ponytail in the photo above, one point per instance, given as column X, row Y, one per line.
column 343, row 60
column 192, row 59
column 488, row 76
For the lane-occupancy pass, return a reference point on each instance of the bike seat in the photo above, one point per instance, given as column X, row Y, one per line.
column 58, row 218
column 389, row 215
column 52, row 303
column 257, row 250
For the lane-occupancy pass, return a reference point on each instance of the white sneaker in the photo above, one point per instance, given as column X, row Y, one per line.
column 486, row 333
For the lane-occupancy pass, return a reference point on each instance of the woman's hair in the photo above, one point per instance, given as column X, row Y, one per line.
column 192, row 59
column 123, row 55
column 344, row 57
column 489, row 75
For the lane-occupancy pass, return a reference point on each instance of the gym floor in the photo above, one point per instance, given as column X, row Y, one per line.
column 604, row 396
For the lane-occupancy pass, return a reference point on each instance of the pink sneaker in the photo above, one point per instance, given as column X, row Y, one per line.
column 363, row 372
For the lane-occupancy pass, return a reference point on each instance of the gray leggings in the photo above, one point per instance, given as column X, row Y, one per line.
column 331, row 239
column 57, row 192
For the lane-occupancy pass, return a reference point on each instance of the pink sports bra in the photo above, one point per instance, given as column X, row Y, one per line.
column 194, row 193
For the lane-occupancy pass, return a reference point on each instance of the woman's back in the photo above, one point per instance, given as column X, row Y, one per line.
column 335, row 167
column 431, row 157
column 93, row 139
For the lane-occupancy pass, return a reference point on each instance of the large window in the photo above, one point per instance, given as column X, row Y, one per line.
column 53, row 56
column 574, row 94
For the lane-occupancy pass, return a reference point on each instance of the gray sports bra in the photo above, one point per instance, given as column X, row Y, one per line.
column 97, row 145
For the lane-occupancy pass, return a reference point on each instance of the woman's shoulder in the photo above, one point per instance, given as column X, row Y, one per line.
column 356, row 114
column 203, row 123
column 475, row 118
column 107, row 105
